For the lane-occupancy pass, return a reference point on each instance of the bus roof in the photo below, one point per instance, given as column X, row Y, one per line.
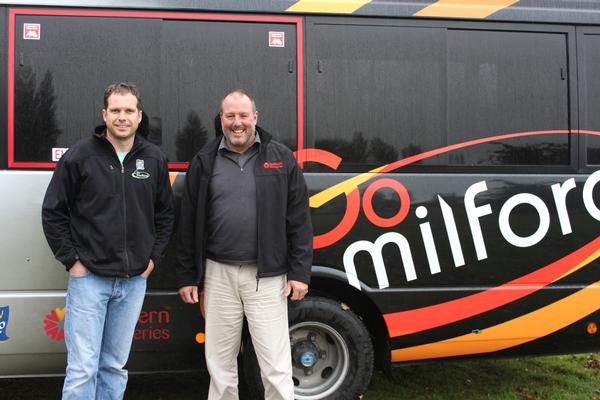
column 557, row 11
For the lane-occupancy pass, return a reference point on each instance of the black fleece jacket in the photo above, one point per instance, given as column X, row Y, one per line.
column 283, row 215
column 113, row 218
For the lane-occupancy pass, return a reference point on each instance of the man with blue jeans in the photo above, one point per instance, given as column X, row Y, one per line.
column 107, row 216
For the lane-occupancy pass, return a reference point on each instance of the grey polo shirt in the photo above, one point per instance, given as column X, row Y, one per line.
column 231, row 215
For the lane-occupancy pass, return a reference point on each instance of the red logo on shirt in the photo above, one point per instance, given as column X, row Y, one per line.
column 277, row 164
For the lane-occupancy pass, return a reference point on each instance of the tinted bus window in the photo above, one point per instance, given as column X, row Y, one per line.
column 381, row 93
column 201, row 62
column 60, row 78
column 183, row 69
column 506, row 82
column 590, row 93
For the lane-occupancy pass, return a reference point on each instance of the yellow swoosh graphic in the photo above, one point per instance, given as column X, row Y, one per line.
column 464, row 8
column 331, row 6
column 585, row 262
column 526, row 328
column 346, row 186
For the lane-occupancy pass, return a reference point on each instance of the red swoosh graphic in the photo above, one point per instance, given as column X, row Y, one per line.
column 418, row 157
column 524, row 329
column 420, row 319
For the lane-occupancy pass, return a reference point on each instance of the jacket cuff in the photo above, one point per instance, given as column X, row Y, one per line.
column 69, row 261
column 187, row 280
column 300, row 277
column 156, row 259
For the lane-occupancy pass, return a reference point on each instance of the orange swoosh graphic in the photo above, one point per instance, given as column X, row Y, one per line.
column 526, row 328
column 172, row 177
column 420, row 319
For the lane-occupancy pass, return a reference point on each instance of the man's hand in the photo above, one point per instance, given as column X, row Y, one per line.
column 148, row 270
column 189, row 294
column 297, row 289
column 78, row 269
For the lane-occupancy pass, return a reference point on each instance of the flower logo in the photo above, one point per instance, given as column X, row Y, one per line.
column 54, row 324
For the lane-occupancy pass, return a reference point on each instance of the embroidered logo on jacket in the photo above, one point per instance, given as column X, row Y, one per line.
column 273, row 165
column 139, row 172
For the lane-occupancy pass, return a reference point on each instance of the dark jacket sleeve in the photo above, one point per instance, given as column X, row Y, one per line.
column 164, row 216
column 299, row 226
column 186, row 270
column 56, row 211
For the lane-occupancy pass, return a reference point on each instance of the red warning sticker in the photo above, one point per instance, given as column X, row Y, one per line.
column 31, row 31
column 276, row 39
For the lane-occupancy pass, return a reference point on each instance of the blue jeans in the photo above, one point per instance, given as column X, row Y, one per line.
column 100, row 320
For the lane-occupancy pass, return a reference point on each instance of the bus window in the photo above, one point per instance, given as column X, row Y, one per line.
column 382, row 93
column 590, row 93
column 183, row 69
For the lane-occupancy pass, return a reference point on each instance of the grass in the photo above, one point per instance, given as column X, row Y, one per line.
column 535, row 378
column 571, row 377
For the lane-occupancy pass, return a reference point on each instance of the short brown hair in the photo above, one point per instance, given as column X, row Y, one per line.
column 240, row 92
column 122, row 88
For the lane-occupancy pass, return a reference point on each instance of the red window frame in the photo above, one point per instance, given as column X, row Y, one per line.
column 13, row 12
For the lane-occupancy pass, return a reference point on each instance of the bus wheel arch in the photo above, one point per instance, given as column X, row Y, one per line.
column 327, row 283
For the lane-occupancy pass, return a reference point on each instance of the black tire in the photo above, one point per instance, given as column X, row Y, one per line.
column 334, row 346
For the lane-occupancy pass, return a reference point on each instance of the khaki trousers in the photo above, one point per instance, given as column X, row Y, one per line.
column 230, row 292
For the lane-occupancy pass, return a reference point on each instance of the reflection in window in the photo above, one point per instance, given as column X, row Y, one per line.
column 360, row 150
column 530, row 154
column 177, row 64
column 35, row 116
column 398, row 91
column 191, row 137
column 593, row 151
column 590, row 92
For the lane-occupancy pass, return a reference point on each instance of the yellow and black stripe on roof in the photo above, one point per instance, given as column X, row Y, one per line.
column 572, row 11
column 438, row 8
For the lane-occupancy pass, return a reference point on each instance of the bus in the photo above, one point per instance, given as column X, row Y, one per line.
column 451, row 150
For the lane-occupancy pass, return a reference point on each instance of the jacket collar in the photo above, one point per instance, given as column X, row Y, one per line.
column 100, row 134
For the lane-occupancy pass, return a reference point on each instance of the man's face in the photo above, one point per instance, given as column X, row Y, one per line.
column 121, row 116
column 238, row 120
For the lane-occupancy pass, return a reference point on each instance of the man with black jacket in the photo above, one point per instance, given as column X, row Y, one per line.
column 107, row 216
column 245, row 239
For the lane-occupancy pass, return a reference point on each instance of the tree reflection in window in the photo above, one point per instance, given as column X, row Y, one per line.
column 191, row 138
column 36, row 125
column 530, row 154
column 358, row 151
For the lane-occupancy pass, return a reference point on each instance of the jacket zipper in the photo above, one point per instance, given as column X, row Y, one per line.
column 124, row 202
column 124, row 219
column 259, row 161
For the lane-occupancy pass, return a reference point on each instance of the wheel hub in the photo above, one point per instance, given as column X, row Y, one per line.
column 305, row 354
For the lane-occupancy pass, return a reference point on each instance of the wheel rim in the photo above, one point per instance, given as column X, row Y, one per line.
column 320, row 360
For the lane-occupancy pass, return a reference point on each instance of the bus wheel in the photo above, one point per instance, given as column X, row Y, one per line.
column 332, row 352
